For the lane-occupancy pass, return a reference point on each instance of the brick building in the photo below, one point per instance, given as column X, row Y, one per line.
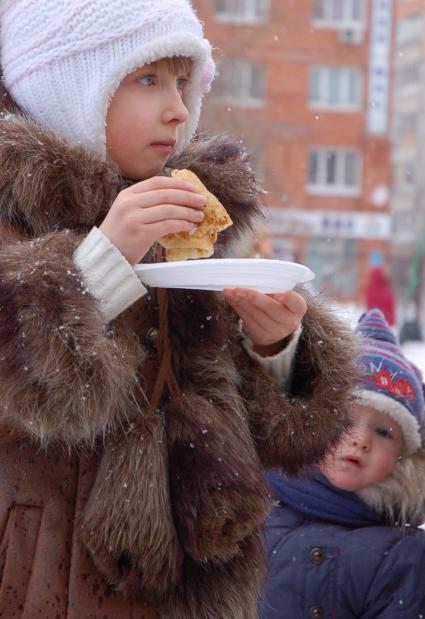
column 306, row 88
column 408, row 159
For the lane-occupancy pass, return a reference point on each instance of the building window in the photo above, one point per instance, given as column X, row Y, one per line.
column 339, row 13
column 406, row 125
column 404, row 176
column 241, row 83
column 335, row 87
column 334, row 172
column 409, row 30
column 242, row 11
column 409, row 75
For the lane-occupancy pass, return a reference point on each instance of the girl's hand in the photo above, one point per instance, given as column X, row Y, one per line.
column 146, row 211
column 267, row 318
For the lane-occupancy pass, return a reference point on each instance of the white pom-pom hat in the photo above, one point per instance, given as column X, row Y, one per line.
column 63, row 60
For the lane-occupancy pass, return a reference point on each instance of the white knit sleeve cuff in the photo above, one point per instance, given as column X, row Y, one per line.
column 279, row 366
column 108, row 275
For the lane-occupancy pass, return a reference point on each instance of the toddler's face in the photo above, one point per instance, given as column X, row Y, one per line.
column 368, row 453
column 145, row 120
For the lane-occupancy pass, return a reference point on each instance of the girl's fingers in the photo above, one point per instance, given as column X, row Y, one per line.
column 169, row 226
column 168, row 196
column 266, row 320
column 258, row 324
column 256, row 330
column 161, row 182
column 156, row 214
column 267, row 304
column 267, row 325
column 292, row 300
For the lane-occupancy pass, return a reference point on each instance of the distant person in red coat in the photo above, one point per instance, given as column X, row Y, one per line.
column 379, row 294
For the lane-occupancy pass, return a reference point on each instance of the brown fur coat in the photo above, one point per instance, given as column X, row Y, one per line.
column 176, row 510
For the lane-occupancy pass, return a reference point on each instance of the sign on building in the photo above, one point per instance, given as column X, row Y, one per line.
column 379, row 66
column 328, row 224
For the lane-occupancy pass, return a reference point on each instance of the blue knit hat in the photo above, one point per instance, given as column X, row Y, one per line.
column 393, row 385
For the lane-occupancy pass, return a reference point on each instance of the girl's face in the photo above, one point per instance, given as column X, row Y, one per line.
column 145, row 119
column 368, row 453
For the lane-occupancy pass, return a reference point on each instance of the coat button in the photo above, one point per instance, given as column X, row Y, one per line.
column 317, row 555
column 316, row 612
column 151, row 338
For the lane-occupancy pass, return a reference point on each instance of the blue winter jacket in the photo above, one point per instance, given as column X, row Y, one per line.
column 319, row 570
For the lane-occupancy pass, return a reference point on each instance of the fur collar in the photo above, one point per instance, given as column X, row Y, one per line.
column 401, row 496
column 48, row 184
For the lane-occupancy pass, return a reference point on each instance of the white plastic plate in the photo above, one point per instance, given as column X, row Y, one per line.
column 215, row 274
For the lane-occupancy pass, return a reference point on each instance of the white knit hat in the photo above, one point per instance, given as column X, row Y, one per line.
column 64, row 59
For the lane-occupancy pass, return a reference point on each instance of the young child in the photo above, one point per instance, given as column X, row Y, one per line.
column 350, row 529
column 135, row 423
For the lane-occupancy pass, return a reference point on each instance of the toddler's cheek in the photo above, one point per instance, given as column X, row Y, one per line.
column 327, row 465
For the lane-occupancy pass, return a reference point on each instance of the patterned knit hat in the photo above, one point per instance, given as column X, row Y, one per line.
column 63, row 60
column 394, row 385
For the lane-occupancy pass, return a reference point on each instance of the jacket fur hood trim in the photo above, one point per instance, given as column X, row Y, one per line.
column 402, row 495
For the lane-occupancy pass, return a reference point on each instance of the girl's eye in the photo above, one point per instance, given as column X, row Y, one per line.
column 383, row 432
column 181, row 82
column 146, row 80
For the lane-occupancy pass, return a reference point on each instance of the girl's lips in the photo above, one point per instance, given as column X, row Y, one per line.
column 163, row 147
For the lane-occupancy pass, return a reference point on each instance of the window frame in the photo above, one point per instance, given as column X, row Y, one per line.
column 324, row 75
column 405, row 176
column 243, row 86
column 347, row 21
column 253, row 12
column 405, row 124
column 339, row 188
column 414, row 67
column 405, row 37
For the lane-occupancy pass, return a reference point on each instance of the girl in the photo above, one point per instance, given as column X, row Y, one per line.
column 135, row 423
